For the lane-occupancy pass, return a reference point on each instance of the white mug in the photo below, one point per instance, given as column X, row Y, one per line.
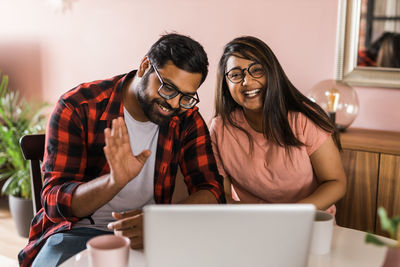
column 108, row 250
column 321, row 238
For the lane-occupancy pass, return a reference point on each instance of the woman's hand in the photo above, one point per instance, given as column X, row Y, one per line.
column 228, row 191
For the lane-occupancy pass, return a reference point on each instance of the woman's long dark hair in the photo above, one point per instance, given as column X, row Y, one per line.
column 280, row 95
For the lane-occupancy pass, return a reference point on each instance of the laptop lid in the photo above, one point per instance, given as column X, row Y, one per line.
column 275, row 235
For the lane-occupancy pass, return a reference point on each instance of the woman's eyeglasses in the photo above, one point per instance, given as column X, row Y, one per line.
column 236, row 75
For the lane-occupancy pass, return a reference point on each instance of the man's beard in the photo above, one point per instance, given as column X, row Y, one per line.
column 149, row 107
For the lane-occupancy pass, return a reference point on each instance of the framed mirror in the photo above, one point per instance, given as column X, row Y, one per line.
column 353, row 33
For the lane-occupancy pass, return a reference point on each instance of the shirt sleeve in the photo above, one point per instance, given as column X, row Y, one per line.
column 215, row 131
column 313, row 135
column 198, row 163
column 63, row 163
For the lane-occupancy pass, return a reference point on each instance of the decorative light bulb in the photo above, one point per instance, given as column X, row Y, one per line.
column 338, row 99
column 333, row 99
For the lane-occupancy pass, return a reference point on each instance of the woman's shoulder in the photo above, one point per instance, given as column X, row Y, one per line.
column 297, row 116
column 216, row 123
column 303, row 125
column 299, row 120
column 309, row 132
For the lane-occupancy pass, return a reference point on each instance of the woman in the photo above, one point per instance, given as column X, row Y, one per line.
column 389, row 51
column 271, row 142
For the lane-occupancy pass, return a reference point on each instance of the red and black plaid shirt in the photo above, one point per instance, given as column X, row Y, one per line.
column 74, row 155
column 365, row 59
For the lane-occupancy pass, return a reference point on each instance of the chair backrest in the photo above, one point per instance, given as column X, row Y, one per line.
column 32, row 146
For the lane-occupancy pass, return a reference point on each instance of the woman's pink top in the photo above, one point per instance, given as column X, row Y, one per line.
column 268, row 174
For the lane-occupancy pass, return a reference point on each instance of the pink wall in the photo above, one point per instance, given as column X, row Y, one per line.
column 379, row 109
column 47, row 52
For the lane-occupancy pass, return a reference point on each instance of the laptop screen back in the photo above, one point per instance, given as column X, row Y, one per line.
column 275, row 235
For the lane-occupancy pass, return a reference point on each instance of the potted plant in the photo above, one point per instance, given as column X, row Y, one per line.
column 17, row 118
column 391, row 226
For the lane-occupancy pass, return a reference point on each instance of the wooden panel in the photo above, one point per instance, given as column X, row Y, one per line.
column 357, row 209
column 371, row 140
column 389, row 187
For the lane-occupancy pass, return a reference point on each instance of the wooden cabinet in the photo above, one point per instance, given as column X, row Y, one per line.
column 371, row 160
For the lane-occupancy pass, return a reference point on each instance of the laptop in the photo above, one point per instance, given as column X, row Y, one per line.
column 276, row 235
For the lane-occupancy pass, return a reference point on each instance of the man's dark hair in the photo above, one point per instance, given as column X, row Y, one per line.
column 183, row 51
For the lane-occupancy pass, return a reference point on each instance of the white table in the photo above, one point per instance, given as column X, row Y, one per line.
column 348, row 250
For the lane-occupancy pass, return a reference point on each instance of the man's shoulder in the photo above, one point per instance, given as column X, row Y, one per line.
column 190, row 114
column 97, row 90
column 192, row 117
column 189, row 121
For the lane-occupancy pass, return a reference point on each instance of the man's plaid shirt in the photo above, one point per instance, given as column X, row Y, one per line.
column 74, row 155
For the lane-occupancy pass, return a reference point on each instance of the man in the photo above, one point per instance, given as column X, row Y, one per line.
column 114, row 145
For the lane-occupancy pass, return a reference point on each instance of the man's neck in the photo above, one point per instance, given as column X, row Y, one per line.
column 131, row 103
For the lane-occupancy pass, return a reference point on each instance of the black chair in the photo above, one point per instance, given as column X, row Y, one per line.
column 32, row 146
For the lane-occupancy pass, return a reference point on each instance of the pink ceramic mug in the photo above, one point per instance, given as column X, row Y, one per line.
column 108, row 250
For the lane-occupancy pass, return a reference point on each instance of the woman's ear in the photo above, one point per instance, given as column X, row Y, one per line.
column 144, row 65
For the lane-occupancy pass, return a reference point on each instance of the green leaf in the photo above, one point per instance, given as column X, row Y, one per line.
column 2, row 160
column 386, row 224
column 3, row 85
column 5, row 174
column 10, row 187
column 17, row 118
column 396, row 220
column 25, row 186
column 370, row 238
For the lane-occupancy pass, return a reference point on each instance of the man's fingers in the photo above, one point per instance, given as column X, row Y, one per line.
column 107, row 137
column 142, row 157
column 117, row 127
column 137, row 243
column 124, row 132
column 130, row 233
column 126, row 223
column 114, row 131
column 126, row 220
column 136, row 237
column 110, row 140
column 125, row 214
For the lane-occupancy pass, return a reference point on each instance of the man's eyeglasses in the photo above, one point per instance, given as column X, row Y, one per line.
column 236, row 75
column 169, row 91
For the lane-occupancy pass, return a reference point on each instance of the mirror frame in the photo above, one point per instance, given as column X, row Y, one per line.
column 347, row 51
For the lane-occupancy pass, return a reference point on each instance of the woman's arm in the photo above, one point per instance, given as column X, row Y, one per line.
column 330, row 174
column 228, row 192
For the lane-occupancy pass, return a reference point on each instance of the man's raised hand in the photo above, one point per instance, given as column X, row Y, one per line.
column 124, row 166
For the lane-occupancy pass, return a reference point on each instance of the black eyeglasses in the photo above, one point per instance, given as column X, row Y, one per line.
column 236, row 75
column 169, row 91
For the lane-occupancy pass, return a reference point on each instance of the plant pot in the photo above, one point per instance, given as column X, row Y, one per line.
column 22, row 212
column 392, row 258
